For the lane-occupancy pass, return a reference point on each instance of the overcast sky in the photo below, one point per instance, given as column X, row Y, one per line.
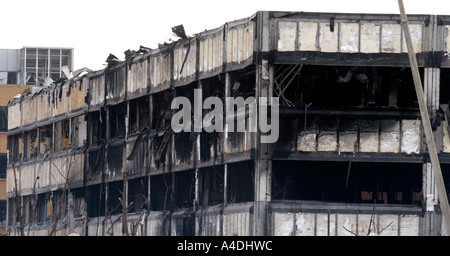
column 96, row 28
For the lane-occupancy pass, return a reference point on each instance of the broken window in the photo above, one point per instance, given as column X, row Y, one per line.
column 15, row 148
column 31, row 144
column 45, row 140
column 347, row 182
column 210, row 141
column 240, row 186
column 137, row 158
column 59, row 203
column 162, row 112
column 28, row 209
column 62, row 132
column 139, row 115
column 116, row 82
column 352, row 86
column 96, row 200
column 137, row 194
column 160, row 143
column 243, row 82
column 96, row 161
column 184, row 142
column 115, row 156
column 97, row 127
column 115, row 196
column 161, row 192
column 184, row 189
column 117, row 119
column 78, row 132
column 44, row 207
column 209, row 145
column 212, row 185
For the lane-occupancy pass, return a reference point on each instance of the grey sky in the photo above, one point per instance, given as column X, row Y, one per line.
column 96, row 28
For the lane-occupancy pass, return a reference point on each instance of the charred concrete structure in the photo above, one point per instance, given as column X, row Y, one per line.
column 96, row 155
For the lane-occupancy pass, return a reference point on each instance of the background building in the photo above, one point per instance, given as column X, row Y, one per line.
column 19, row 69
column 7, row 92
column 23, row 66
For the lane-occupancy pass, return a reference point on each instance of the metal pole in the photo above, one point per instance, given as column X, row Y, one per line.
column 436, row 168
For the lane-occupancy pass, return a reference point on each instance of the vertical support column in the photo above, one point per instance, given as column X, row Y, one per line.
column 431, row 90
column 225, row 185
column 429, row 186
column 229, row 78
column 198, row 183
column 437, row 173
column 262, row 161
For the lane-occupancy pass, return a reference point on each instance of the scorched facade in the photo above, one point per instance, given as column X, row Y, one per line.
column 95, row 154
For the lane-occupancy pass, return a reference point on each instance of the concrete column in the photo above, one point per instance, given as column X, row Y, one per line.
column 431, row 90
column 262, row 162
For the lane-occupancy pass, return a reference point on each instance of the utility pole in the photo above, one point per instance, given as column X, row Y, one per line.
column 435, row 165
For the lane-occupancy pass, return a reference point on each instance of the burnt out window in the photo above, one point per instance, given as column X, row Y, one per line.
column 62, row 132
column 344, row 86
column 96, row 196
column 138, row 194
column 240, row 182
column 444, row 89
column 15, row 148
column 44, row 207
column 243, row 82
column 212, row 185
column 114, row 203
column 45, row 140
column 162, row 112
column 347, row 182
column 139, row 115
column 185, row 189
column 97, row 127
column 117, row 120
column 161, row 192
column 31, row 144
column 184, row 142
